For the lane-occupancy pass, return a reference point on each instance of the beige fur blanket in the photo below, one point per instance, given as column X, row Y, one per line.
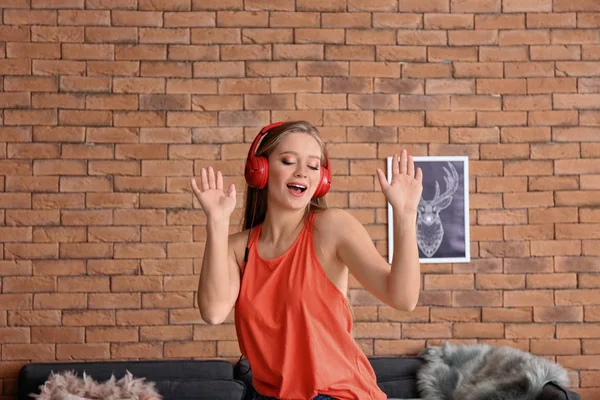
column 68, row 386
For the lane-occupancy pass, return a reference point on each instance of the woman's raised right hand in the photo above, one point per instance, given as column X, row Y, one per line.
column 215, row 202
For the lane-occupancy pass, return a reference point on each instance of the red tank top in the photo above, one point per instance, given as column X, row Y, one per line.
column 294, row 327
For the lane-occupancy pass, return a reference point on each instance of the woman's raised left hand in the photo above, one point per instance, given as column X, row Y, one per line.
column 404, row 190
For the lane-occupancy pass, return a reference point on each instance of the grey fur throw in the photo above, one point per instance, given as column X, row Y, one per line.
column 484, row 372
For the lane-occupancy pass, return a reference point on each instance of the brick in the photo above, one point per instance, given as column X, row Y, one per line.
column 555, row 247
column 552, row 118
column 441, row 54
column 528, row 232
column 63, row 34
column 499, row 21
column 332, row 52
column 326, row 68
column 193, row 52
column 470, row 37
column 60, row 100
column 589, row 118
column 59, row 234
column 529, row 331
column 121, row 68
column 476, row 102
column 136, row 18
column 588, row 20
column 84, row 17
column 429, row 70
column 52, row 334
column 589, row 85
column 528, row 70
column 551, row 20
column 504, row 249
column 555, row 347
column 421, row 37
column 506, row 53
column 313, row 5
column 470, row 298
column 447, row 282
column 450, row 86
column 84, row 84
column 165, row 5
column 525, row 135
column 524, row 37
column 98, row 151
column 513, row 314
column 555, row 52
column 139, row 118
column 416, row 6
column 376, row 69
column 111, row 34
column 552, row 281
column 189, row 19
column 485, row 201
column 15, row 34
column 33, row 50
column 164, row 35
column 380, row 20
column 528, row 168
column 138, row 85
column 165, row 69
column 141, row 52
column 31, row 84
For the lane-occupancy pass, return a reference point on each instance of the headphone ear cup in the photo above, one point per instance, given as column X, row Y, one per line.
column 324, row 184
column 257, row 177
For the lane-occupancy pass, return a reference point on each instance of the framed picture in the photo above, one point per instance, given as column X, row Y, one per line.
column 443, row 214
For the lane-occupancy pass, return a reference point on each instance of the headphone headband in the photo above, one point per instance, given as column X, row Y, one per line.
column 254, row 146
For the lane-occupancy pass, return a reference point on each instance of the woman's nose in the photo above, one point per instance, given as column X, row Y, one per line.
column 301, row 171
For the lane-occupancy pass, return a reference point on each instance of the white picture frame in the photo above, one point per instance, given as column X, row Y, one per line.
column 454, row 244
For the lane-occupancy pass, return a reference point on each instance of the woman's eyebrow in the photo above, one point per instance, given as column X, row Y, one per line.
column 296, row 154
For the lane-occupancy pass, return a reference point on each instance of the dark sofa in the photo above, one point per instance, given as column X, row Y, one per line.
column 221, row 380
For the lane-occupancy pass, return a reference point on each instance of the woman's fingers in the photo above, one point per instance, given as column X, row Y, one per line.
column 211, row 178
column 395, row 165
column 382, row 180
column 204, row 180
column 195, row 187
column 219, row 180
column 411, row 167
column 403, row 162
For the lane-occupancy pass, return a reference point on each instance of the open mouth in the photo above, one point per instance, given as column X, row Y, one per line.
column 296, row 189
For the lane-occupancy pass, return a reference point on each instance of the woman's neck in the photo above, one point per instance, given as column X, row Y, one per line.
column 281, row 226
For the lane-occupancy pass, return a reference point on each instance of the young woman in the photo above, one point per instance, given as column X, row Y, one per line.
column 287, row 271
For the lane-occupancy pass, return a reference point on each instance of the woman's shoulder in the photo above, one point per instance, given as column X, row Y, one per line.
column 332, row 221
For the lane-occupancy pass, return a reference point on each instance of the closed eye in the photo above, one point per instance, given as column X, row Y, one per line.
column 285, row 162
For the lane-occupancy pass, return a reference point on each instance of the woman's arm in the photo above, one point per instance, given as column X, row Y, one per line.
column 398, row 284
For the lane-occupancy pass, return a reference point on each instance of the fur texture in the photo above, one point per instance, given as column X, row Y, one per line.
column 484, row 372
column 68, row 386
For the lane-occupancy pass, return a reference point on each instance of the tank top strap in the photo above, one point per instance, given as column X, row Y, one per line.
column 310, row 220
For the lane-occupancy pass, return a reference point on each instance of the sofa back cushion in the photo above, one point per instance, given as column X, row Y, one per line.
column 175, row 379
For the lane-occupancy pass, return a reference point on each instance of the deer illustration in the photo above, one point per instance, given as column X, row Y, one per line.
column 430, row 230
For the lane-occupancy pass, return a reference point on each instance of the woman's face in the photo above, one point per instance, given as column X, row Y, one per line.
column 294, row 170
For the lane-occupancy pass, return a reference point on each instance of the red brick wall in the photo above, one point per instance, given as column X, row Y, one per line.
column 109, row 106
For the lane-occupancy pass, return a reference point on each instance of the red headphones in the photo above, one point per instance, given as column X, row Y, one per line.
column 257, row 167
